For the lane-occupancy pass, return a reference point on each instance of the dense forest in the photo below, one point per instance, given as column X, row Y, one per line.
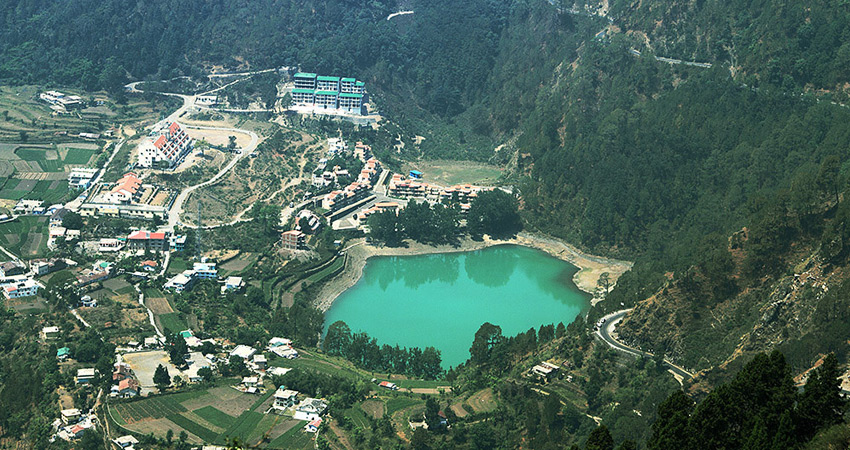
column 723, row 184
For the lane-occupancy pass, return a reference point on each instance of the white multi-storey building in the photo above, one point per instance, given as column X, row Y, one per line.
column 168, row 145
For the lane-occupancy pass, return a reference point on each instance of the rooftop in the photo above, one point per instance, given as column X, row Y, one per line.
column 303, row 91
column 305, row 75
column 327, row 78
column 334, row 93
column 347, row 95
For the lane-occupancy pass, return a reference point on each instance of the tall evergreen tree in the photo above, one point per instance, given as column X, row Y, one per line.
column 670, row 429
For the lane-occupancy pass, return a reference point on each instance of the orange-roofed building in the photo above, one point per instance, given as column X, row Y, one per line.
column 166, row 146
column 293, row 240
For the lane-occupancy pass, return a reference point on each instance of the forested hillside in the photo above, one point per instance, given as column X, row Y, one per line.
column 726, row 185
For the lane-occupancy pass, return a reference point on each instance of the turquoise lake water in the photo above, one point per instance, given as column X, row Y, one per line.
column 441, row 300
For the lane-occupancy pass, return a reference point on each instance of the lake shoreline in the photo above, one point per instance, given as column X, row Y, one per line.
column 590, row 266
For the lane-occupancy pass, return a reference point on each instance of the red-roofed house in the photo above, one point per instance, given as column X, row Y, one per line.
column 166, row 146
column 146, row 240
column 125, row 191
column 293, row 239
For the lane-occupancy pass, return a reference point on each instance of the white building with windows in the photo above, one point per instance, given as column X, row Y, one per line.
column 22, row 288
column 167, row 145
column 81, row 178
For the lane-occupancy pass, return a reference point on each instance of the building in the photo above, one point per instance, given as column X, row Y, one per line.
column 81, row 178
column 232, row 284
column 310, row 409
column 39, row 267
column 314, row 222
column 285, row 351
column 284, row 398
column 146, row 240
column 260, row 362
column 415, row 175
column 70, row 416
column 166, row 146
column 329, row 94
column 388, row 385
column 336, row 147
column 336, row 200
column 61, row 102
column 12, row 268
column 305, row 80
column 121, row 371
column 49, row 333
column 126, row 442
column 205, row 270
column 243, row 351
column 279, row 342
column 250, row 382
column 180, row 282
column 313, row 426
column 362, row 151
column 293, row 240
column 127, row 388
column 545, row 371
column 108, row 245
column 177, row 243
column 87, row 301
column 85, row 376
column 24, row 207
column 23, row 288
column 63, row 353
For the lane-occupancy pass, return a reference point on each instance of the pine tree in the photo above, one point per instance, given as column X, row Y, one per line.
column 821, row 404
column 161, row 378
column 670, row 429
column 600, row 439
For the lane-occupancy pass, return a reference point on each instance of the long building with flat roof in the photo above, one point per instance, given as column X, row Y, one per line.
column 328, row 94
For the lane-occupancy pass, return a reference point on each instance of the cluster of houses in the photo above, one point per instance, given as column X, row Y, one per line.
column 165, row 147
column 15, row 282
column 126, row 385
column 60, row 102
column 142, row 240
column 57, row 230
column 129, row 197
column 403, row 187
column 308, row 409
column 72, row 424
column 203, row 270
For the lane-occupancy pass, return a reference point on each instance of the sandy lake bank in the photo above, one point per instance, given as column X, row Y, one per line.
column 590, row 266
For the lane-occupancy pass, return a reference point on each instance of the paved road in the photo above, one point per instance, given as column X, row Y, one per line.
column 607, row 334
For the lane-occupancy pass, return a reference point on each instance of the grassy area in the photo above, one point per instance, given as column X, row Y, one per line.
column 215, row 417
column 358, row 417
column 448, row 173
column 193, row 427
column 79, row 156
column 244, row 425
column 31, row 153
column 156, row 408
column 177, row 265
column 26, row 236
column 396, row 404
column 173, row 322
column 294, row 439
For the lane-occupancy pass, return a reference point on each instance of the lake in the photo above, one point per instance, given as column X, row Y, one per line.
column 441, row 300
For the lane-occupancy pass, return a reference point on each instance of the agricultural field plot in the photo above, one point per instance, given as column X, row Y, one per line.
column 449, row 173
column 295, row 438
column 397, row 404
column 482, row 401
column 374, row 408
column 226, row 400
column 151, row 408
column 215, row 417
column 79, row 156
column 197, row 426
column 238, row 264
column 172, row 321
column 26, row 236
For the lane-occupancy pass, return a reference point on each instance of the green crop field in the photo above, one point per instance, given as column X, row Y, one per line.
column 173, row 322
column 78, row 156
column 31, row 153
column 244, row 425
column 194, row 428
column 52, row 165
column 153, row 408
column 294, row 439
column 215, row 417
column 398, row 403
column 26, row 236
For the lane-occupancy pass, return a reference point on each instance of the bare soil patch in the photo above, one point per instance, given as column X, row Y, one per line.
column 158, row 305
column 225, row 399
column 159, row 427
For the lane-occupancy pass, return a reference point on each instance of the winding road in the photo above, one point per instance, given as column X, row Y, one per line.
column 608, row 335
column 188, row 103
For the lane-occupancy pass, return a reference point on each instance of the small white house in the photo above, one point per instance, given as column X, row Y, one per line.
column 310, row 409
column 260, row 362
column 284, row 398
column 243, row 351
column 85, row 376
